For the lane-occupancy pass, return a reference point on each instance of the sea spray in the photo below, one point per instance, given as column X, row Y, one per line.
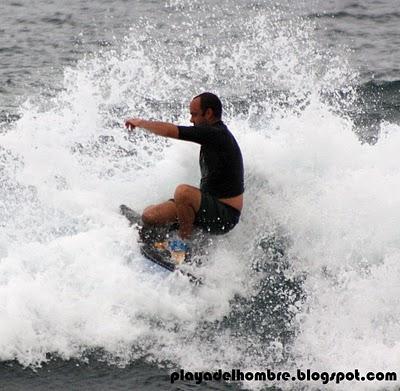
column 308, row 276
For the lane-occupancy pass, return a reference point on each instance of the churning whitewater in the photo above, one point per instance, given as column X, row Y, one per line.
column 308, row 278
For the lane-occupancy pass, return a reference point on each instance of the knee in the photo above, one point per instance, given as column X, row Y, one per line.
column 183, row 194
column 148, row 216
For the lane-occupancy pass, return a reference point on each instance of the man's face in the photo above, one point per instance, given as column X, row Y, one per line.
column 197, row 117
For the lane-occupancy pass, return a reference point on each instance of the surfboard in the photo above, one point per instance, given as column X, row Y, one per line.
column 155, row 246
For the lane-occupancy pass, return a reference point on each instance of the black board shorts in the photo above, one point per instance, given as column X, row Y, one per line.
column 214, row 216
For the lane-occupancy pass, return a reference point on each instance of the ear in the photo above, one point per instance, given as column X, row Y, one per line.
column 209, row 113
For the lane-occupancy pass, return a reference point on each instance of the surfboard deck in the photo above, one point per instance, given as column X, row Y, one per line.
column 132, row 216
column 154, row 246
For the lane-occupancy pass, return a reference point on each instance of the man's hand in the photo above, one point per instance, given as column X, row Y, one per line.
column 160, row 128
column 132, row 123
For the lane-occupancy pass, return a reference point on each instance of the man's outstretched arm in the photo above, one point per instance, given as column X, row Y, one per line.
column 164, row 129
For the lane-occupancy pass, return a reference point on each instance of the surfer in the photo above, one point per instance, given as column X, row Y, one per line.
column 216, row 206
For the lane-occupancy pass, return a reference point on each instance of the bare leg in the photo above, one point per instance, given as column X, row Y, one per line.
column 160, row 214
column 187, row 201
column 183, row 209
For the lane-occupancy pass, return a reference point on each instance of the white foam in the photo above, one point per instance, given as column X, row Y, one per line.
column 71, row 276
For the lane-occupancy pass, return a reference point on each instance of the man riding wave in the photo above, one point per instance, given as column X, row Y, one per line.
column 216, row 206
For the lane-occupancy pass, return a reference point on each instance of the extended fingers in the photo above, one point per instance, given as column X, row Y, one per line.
column 129, row 123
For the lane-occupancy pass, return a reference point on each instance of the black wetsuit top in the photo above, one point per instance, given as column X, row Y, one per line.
column 221, row 162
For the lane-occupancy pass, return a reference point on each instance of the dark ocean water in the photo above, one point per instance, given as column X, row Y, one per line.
column 307, row 280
